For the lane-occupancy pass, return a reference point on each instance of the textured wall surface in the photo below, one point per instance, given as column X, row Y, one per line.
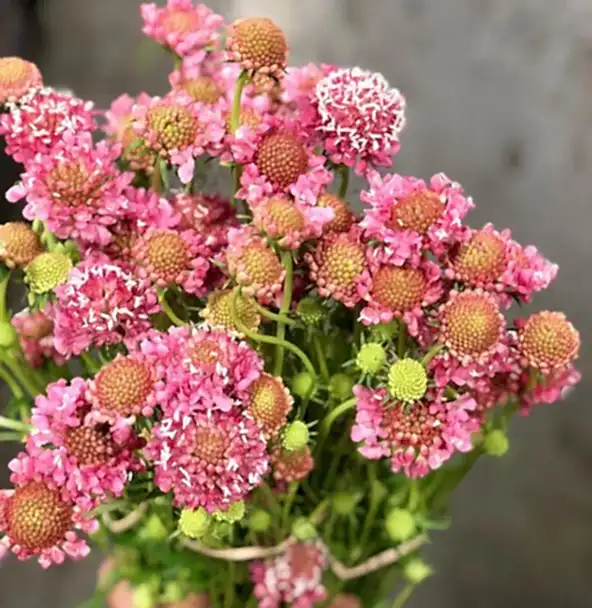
column 500, row 98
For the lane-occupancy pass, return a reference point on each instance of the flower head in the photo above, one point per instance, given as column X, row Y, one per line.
column 407, row 380
column 550, row 388
column 17, row 76
column 291, row 465
column 47, row 271
column 218, row 311
column 35, row 332
column 269, row 402
column 343, row 218
column 19, row 245
column 360, row 117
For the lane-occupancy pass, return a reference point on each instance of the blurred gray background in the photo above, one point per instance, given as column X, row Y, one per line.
column 500, row 98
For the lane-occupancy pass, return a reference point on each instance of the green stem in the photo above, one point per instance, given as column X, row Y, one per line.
column 344, row 172
column 16, row 390
column 170, row 313
column 434, row 350
column 14, row 437
column 26, row 382
column 3, row 290
column 91, row 365
column 229, row 593
column 292, row 491
column 336, row 413
column 156, row 181
column 321, row 359
column 402, row 340
column 372, row 511
column 256, row 337
column 234, row 125
column 403, row 596
column 273, row 316
column 14, row 425
column 286, row 258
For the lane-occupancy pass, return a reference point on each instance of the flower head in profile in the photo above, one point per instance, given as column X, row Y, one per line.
column 36, row 336
column 19, row 244
column 360, row 118
column 17, row 77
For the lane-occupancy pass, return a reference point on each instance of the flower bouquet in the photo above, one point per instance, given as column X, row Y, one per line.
column 259, row 399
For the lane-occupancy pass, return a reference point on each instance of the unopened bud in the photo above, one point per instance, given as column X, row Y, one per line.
column 496, row 443
column 400, row 524
column 295, row 436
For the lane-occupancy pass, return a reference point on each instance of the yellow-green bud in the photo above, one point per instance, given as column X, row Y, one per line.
column 371, row 358
column 496, row 443
column 259, row 521
column 416, row 571
column 400, row 524
column 295, row 436
column 144, row 596
column 235, row 512
column 311, row 311
column 384, row 332
column 302, row 384
column 195, row 524
column 8, row 335
column 344, row 503
column 153, row 529
column 407, row 380
column 303, row 530
column 47, row 271
column 341, row 386
column 172, row 594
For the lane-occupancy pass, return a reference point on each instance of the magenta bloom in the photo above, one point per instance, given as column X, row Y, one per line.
column 182, row 27
column 418, row 438
column 41, row 119
column 360, row 118
column 36, row 337
column 551, row 388
column 208, row 460
column 408, row 216
column 294, row 578
column 77, row 190
column 102, row 303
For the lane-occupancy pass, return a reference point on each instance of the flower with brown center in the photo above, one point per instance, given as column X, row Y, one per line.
column 218, row 312
column 549, row 341
column 72, row 184
column 247, row 117
column 281, row 158
column 17, row 76
column 471, row 325
column 259, row 45
column 290, row 466
column 417, row 212
column 205, row 353
column 203, row 89
column 211, row 444
column 170, row 126
column 19, row 245
column 269, row 402
column 90, row 445
column 283, row 220
column 37, row 516
column 399, row 289
column 343, row 218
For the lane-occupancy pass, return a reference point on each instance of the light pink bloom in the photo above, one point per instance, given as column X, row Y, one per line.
column 550, row 388
column 35, row 331
column 17, row 77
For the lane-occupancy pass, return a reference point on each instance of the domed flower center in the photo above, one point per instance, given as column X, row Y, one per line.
column 261, row 264
column 47, row 271
column 280, row 217
column 167, row 253
column 210, row 444
column 269, row 403
column 72, row 185
column 417, row 212
column 205, row 352
column 259, row 42
column 123, row 386
column 16, row 77
column 343, row 218
column 247, row 117
column 19, row 245
column 180, row 22
column 219, row 310
column 203, row 89
column 282, row 159
column 481, row 260
column 399, row 289
column 37, row 517
column 174, row 127
column 344, row 261
column 414, row 426
column 407, row 380
column 90, row 444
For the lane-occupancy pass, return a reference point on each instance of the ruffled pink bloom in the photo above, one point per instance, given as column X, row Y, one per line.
column 35, row 331
column 360, row 118
column 400, row 291
column 294, row 577
column 182, row 27
column 408, row 216
column 92, row 464
column 101, row 303
column 208, row 460
column 549, row 389
column 206, row 83
column 299, row 83
column 77, row 190
column 17, row 77
column 418, row 438
column 41, row 119
column 37, row 496
column 171, row 257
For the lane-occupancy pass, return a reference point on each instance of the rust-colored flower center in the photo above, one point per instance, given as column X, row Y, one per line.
column 37, row 517
column 260, row 43
column 16, row 77
column 281, row 216
column 471, row 323
column 343, row 263
column 19, row 245
column 123, row 385
column 203, row 89
column 247, row 117
column 269, row 403
column 219, row 310
column 417, row 212
column 481, row 260
column 303, row 561
column 167, row 253
column 173, row 127
column 261, row 264
column 90, row 444
column 210, row 444
column 291, row 466
column 205, row 352
column 180, row 22
column 549, row 340
column 413, row 426
column 282, row 159
column 399, row 289
column 37, row 327
column 343, row 218
column 71, row 184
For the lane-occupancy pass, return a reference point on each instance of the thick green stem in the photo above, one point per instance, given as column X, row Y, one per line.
column 402, row 340
column 170, row 313
column 23, row 377
column 11, row 436
column 3, row 290
column 14, row 425
column 288, row 264
column 292, row 491
column 321, row 359
column 403, row 596
column 375, row 500
column 344, row 172
column 434, row 350
column 16, row 390
column 234, row 125
column 336, row 413
column 273, row 316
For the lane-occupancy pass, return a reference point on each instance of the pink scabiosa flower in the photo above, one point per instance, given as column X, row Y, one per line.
column 343, row 218
column 400, row 291
column 17, row 77
column 101, row 303
column 360, row 118
column 289, row 222
column 178, row 130
column 290, row 465
column 407, row 215
column 182, row 27
column 269, row 402
column 35, row 332
column 295, row 577
column 416, row 437
column 38, row 518
column 76, row 190
column 91, row 463
column 279, row 158
column 204, row 86
column 338, row 266
column 208, row 459
column 299, row 83
column 40, row 120
column 550, row 388
column 254, row 265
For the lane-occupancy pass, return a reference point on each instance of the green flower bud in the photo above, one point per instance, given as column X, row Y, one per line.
column 384, row 332
column 153, row 529
column 371, row 358
column 344, row 503
column 8, row 335
column 416, row 571
column 400, row 524
column 295, row 436
column 303, row 530
column 496, row 443
column 47, row 271
column 144, row 596
column 195, row 524
column 310, row 310
column 221, row 530
column 407, row 380
column 259, row 521
column 302, row 384
column 173, row 593
column 341, row 386
column 235, row 512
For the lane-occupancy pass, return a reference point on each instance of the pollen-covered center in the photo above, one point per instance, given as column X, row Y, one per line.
column 282, row 159
column 211, row 444
column 344, row 261
column 90, row 445
column 167, row 254
column 481, row 260
column 269, row 403
column 417, row 212
column 203, row 89
column 72, row 185
column 174, row 127
column 399, row 289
